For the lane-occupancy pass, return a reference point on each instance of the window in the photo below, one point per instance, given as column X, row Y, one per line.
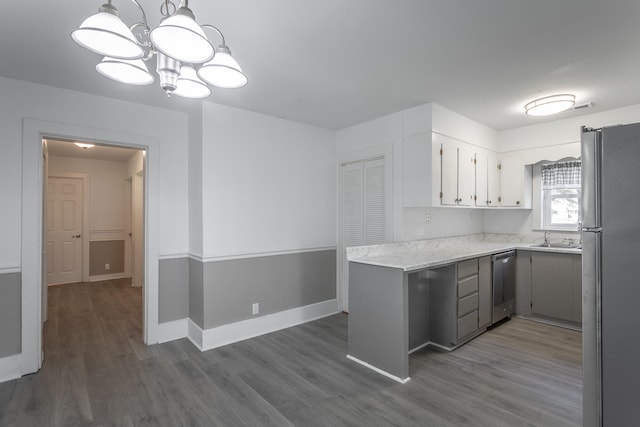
column 561, row 195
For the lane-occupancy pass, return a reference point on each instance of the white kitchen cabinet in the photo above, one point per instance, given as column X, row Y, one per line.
column 457, row 172
column 487, row 179
column 493, row 179
column 466, row 175
column 482, row 178
column 448, row 172
column 515, row 182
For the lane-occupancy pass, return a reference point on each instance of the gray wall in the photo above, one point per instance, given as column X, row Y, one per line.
column 10, row 316
column 196, row 300
column 106, row 252
column 173, row 292
column 277, row 283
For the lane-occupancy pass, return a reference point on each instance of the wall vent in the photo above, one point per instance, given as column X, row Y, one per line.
column 583, row 106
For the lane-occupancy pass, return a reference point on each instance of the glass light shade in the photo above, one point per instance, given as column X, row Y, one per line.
column 130, row 71
column 181, row 38
column 550, row 105
column 105, row 34
column 223, row 71
column 189, row 85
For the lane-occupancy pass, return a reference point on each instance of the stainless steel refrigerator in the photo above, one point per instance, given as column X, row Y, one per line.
column 610, row 283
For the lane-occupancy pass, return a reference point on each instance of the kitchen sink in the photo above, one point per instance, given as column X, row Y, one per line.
column 559, row 245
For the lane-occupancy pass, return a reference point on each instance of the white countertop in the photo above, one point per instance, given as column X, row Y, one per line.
column 420, row 254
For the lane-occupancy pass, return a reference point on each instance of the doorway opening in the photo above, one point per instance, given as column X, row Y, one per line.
column 34, row 270
column 93, row 214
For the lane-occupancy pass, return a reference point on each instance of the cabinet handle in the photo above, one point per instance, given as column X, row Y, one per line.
column 518, row 202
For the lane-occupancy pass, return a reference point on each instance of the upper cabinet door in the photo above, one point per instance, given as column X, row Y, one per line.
column 493, row 180
column 449, row 173
column 481, row 197
column 511, row 178
column 466, row 175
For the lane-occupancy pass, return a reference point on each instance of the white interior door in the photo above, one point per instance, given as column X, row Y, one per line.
column 137, row 230
column 64, row 230
column 362, row 207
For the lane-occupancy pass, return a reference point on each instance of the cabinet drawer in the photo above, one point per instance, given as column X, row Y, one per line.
column 467, row 268
column 467, row 324
column 467, row 304
column 467, row 286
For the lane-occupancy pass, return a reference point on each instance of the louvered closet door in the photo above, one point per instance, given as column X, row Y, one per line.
column 374, row 202
column 362, row 211
column 352, row 203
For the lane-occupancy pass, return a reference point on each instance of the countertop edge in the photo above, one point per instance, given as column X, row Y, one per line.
column 470, row 255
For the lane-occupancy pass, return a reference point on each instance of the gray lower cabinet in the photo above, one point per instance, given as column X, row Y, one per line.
column 523, row 283
column 556, row 286
column 460, row 301
column 484, row 292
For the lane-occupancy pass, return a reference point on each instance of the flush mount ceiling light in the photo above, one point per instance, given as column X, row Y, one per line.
column 84, row 145
column 550, row 105
column 186, row 60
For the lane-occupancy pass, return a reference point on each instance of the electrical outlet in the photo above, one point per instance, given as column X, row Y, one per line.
column 255, row 308
column 427, row 218
column 107, row 267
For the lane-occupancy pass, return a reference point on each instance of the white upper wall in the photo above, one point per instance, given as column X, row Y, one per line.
column 563, row 131
column 268, row 184
column 195, row 181
column 27, row 100
column 375, row 135
column 450, row 123
column 559, row 138
column 414, row 121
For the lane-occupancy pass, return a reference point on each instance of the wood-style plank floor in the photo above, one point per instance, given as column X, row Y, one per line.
column 97, row 372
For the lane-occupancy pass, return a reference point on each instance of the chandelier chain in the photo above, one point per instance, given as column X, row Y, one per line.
column 168, row 8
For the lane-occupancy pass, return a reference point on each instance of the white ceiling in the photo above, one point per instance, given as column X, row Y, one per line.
column 335, row 63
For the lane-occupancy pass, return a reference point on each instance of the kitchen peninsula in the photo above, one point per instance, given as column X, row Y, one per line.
column 401, row 295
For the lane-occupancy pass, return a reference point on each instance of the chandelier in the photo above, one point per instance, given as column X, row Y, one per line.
column 186, row 61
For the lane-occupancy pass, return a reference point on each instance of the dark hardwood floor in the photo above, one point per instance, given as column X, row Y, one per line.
column 97, row 372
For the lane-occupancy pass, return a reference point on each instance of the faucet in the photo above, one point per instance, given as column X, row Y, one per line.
column 546, row 238
column 580, row 231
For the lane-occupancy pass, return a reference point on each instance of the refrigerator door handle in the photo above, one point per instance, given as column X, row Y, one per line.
column 591, row 152
column 592, row 229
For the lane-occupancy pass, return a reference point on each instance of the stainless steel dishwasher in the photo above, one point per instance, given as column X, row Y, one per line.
column 504, row 285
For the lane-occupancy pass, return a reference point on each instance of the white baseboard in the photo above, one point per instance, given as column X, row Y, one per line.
column 102, row 277
column 10, row 368
column 380, row 371
column 250, row 328
column 194, row 333
column 174, row 330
